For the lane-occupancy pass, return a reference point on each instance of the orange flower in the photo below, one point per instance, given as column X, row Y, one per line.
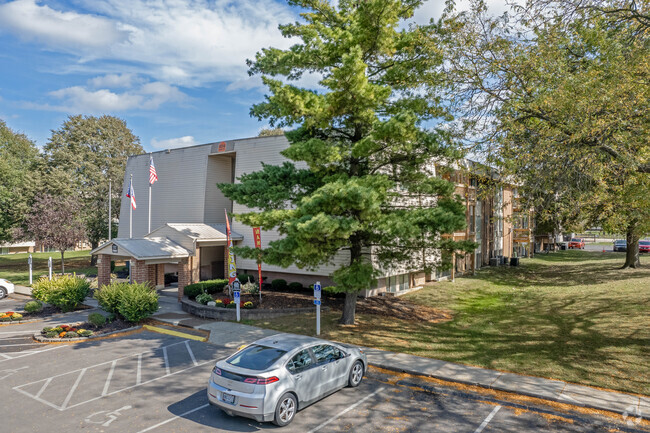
column 61, row 335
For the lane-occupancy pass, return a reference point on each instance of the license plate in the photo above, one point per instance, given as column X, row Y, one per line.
column 228, row 398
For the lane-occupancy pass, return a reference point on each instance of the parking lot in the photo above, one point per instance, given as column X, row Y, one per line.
column 153, row 382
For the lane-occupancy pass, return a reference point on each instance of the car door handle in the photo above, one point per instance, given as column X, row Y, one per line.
column 298, row 376
column 324, row 367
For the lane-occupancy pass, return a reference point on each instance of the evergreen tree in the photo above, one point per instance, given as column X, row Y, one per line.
column 360, row 180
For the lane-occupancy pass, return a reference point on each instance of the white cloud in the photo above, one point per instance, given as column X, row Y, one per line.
column 149, row 96
column 113, row 81
column 170, row 143
column 433, row 9
column 57, row 29
column 181, row 42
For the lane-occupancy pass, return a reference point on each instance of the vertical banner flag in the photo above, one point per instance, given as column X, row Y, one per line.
column 131, row 193
column 232, row 268
column 258, row 244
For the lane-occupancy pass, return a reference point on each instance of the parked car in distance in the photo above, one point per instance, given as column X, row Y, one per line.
column 274, row 377
column 6, row 288
column 620, row 245
column 577, row 243
column 644, row 246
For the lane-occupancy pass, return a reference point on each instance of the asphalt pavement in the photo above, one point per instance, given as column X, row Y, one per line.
column 154, row 382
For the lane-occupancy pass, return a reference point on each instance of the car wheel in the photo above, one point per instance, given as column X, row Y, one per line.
column 3, row 292
column 285, row 410
column 356, row 374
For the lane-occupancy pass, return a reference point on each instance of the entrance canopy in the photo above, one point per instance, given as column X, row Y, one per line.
column 149, row 249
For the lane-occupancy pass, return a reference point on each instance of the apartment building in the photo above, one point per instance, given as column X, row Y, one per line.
column 186, row 232
column 496, row 220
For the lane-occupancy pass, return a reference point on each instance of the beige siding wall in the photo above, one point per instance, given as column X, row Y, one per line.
column 250, row 155
column 178, row 196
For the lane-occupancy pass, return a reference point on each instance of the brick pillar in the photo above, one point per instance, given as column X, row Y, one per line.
column 140, row 271
column 184, row 276
column 151, row 274
column 160, row 275
column 103, row 270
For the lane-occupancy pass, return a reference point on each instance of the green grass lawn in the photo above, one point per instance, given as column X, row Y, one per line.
column 571, row 315
column 14, row 268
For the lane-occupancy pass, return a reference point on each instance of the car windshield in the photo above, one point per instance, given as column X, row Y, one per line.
column 576, row 240
column 256, row 357
column 644, row 242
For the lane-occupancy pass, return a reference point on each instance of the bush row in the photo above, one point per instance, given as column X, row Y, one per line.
column 132, row 302
column 210, row 286
column 64, row 292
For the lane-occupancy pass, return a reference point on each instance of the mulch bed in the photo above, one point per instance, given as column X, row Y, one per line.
column 379, row 305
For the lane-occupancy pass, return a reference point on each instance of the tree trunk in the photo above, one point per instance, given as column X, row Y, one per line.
column 93, row 259
column 349, row 308
column 632, row 255
column 62, row 265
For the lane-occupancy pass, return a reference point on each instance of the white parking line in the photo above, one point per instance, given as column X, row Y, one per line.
column 172, row 419
column 25, row 353
column 187, row 344
column 487, row 420
column 105, row 392
column 24, row 344
column 108, row 379
column 343, row 412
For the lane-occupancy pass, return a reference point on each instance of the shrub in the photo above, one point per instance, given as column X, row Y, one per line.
column 108, row 296
column 137, row 302
column 245, row 278
column 71, row 334
column 112, row 266
column 248, row 305
column 279, row 284
column 51, row 334
column 250, row 288
column 84, row 333
column 16, row 316
column 219, row 303
column 226, row 301
column 231, row 305
column 96, row 319
column 5, row 318
column 193, row 290
column 209, row 286
column 65, row 292
column 33, row 306
column 203, row 298
column 295, row 287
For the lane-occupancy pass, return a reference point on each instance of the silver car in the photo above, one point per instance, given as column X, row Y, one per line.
column 273, row 378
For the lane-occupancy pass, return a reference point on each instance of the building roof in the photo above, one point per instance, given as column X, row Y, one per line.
column 204, row 232
column 144, row 248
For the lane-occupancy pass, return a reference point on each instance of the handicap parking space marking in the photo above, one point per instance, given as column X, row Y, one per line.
column 130, row 376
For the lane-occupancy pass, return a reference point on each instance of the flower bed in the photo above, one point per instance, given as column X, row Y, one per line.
column 10, row 316
column 66, row 331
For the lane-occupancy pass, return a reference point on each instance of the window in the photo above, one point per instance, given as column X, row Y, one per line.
column 4, row 250
column 256, row 357
column 325, row 353
column 472, row 219
column 300, row 362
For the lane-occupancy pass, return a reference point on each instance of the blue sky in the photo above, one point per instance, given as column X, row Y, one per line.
column 173, row 69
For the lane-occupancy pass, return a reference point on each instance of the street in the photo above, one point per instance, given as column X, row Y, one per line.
column 153, row 382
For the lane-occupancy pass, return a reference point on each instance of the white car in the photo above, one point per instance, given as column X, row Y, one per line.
column 5, row 288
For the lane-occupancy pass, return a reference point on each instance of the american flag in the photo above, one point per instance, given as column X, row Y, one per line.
column 131, row 193
column 152, row 171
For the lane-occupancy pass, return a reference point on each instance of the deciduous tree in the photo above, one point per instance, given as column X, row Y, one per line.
column 57, row 223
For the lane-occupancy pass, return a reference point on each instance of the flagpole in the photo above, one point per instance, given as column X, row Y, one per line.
column 131, row 214
column 149, row 229
column 110, row 193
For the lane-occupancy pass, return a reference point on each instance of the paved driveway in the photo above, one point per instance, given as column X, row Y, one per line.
column 152, row 382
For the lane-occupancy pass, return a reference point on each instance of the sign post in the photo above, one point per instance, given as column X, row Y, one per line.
column 49, row 265
column 30, row 269
column 236, row 289
column 317, row 297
